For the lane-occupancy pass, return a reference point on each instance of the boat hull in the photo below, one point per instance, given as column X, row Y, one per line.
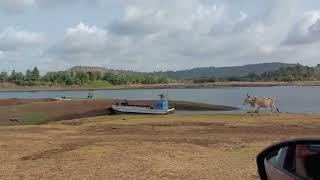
column 63, row 99
column 140, row 110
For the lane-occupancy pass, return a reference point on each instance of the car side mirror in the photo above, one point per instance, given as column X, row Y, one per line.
column 293, row 159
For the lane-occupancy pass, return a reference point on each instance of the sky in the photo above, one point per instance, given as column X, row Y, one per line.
column 157, row 35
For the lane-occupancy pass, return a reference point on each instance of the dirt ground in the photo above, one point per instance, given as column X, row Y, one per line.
column 196, row 146
column 40, row 111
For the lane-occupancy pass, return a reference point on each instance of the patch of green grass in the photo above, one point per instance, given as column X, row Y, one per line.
column 35, row 118
column 99, row 84
column 192, row 106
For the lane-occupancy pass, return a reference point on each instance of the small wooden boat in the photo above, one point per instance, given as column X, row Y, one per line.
column 161, row 107
column 63, row 98
column 140, row 110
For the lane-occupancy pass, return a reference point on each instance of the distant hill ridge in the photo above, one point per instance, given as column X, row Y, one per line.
column 223, row 72
column 99, row 69
column 202, row 72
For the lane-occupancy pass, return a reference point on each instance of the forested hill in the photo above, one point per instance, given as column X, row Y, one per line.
column 102, row 77
column 98, row 69
column 223, row 72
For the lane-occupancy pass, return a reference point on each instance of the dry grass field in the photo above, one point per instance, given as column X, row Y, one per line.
column 146, row 147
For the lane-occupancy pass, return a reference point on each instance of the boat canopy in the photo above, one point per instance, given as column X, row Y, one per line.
column 162, row 104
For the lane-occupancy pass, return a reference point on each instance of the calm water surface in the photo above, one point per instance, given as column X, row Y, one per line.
column 290, row 99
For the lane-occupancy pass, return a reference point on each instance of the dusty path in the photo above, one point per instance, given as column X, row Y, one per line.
column 146, row 147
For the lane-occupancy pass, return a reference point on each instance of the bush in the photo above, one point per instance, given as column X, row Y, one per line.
column 234, row 79
column 205, row 80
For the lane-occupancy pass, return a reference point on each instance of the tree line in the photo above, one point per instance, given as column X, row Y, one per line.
column 285, row 74
column 100, row 79
column 288, row 74
column 95, row 78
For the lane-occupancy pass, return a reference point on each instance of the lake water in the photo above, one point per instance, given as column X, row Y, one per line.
column 290, row 99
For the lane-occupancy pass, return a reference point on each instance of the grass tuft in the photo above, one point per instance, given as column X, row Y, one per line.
column 35, row 118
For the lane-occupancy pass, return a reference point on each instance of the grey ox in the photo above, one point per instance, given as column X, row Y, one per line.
column 262, row 102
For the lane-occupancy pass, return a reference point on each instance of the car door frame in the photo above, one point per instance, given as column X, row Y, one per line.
column 261, row 156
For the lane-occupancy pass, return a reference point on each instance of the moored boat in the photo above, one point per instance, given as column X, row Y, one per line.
column 161, row 107
column 63, row 98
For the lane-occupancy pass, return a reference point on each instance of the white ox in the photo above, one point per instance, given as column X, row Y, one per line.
column 262, row 102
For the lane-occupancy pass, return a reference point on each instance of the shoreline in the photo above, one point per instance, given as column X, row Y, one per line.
column 17, row 111
column 15, row 88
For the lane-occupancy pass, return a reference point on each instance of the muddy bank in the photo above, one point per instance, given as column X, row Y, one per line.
column 40, row 111
column 17, row 101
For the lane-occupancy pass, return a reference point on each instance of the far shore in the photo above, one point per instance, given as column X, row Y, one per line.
column 8, row 87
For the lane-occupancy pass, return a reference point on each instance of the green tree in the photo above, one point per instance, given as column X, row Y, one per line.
column 318, row 68
column 68, row 80
column 16, row 77
column 35, row 74
column 83, row 77
column 28, row 75
column 3, row 77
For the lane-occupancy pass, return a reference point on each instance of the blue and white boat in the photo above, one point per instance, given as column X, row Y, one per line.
column 161, row 107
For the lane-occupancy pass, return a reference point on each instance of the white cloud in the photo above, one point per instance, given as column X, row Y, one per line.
column 85, row 38
column 18, row 48
column 161, row 35
column 12, row 38
column 14, row 6
column 158, row 16
column 306, row 30
column 148, row 36
column 81, row 44
column 1, row 54
column 186, row 32
column 166, row 34
column 52, row 3
column 18, row 6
